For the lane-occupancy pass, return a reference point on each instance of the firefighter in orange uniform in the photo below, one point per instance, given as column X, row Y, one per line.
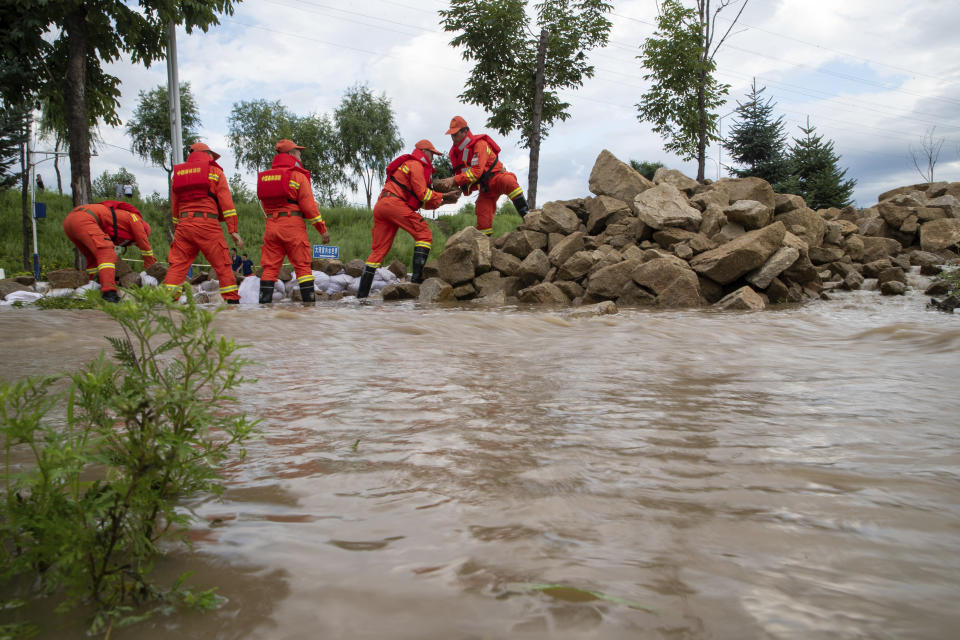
column 97, row 228
column 476, row 166
column 405, row 191
column 287, row 198
column 200, row 200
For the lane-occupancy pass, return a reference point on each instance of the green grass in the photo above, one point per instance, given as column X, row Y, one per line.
column 349, row 229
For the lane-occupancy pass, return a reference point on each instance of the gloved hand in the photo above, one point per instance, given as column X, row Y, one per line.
column 450, row 197
column 443, row 184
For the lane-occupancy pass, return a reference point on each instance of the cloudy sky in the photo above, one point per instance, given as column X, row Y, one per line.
column 873, row 76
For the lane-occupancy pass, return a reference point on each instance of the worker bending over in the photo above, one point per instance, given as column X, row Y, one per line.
column 96, row 229
column 406, row 190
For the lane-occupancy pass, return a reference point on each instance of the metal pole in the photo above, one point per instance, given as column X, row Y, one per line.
column 173, row 90
column 33, row 205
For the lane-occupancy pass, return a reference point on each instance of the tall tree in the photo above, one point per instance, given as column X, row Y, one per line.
column 815, row 174
column 369, row 138
column 13, row 134
column 149, row 128
column 517, row 73
column 256, row 125
column 925, row 158
column 757, row 140
column 680, row 57
column 86, row 34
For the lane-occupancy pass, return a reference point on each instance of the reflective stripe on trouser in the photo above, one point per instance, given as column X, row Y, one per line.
column 95, row 246
column 285, row 237
column 390, row 214
column 500, row 185
column 201, row 235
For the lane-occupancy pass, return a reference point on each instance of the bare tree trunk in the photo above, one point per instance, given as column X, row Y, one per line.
column 25, row 205
column 534, row 173
column 78, row 118
column 701, row 125
column 56, row 163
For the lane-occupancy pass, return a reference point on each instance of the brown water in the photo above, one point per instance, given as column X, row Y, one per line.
column 785, row 474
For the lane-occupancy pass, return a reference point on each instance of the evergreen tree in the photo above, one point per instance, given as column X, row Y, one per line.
column 814, row 173
column 757, row 141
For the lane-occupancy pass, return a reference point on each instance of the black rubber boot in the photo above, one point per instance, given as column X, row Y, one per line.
column 307, row 292
column 520, row 202
column 266, row 291
column 233, row 301
column 366, row 279
column 419, row 259
column 110, row 296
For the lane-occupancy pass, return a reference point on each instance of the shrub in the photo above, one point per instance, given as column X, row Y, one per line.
column 142, row 430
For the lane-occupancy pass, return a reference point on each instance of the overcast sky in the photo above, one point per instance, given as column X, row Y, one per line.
column 873, row 76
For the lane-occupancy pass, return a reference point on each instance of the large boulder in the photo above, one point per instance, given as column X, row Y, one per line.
column 749, row 213
column 534, row 267
column 521, row 242
column 608, row 282
column 743, row 299
column 939, row 234
column 578, row 265
column 158, row 271
column 675, row 178
column 776, row 264
column 751, row 188
column 604, row 210
column 67, row 279
column 10, row 285
column 401, row 291
column 814, row 226
column 877, row 248
column 544, row 293
column 674, row 285
column 436, row 290
column 611, row 177
column 664, row 206
column 504, row 262
column 455, row 264
column 947, row 203
column 571, row 244
column 478, row 243
column 740, row 256
column 557, row 218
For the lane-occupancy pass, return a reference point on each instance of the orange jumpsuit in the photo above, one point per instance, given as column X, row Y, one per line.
column 91, row 228
column 285, row 233
column 397, row 208
column 471, row 159
column 197, row 227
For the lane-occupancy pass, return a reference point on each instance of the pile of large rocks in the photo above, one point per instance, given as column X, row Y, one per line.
column 673, row 242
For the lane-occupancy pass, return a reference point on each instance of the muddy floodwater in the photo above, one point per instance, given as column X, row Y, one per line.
column 423, row 472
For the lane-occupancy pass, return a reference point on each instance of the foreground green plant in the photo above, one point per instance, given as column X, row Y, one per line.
column 86, row 512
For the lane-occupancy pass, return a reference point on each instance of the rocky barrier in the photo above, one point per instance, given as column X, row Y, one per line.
column 670, row 242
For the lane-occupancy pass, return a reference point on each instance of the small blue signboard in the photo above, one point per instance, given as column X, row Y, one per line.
column 39, row 210
column 326, row 251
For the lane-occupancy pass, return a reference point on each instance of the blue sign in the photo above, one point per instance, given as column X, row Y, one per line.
column 326, row 251
column 39, row 210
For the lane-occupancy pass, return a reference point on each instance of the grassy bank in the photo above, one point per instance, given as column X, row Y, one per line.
column 349, row 229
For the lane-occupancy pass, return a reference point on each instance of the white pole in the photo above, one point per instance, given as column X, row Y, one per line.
column 173, row 90
column 33, row 206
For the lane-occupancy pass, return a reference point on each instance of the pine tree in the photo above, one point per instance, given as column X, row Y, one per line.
column 757, row 141
column 814, row 173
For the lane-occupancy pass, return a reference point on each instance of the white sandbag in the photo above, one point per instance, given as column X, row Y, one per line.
column 279, row 287
column 353, row 286
column 147, row 280
column 210, row 286
column 376, row 285
column 79, row 291
column 385, row 275
column 23, row 296
column 320, row 280
column 249, row 290
column 60, row 293
column 42, row 287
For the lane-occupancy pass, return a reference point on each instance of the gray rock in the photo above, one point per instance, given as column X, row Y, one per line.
column 749, row 213
column 534, row 267
column 570, row 245
column 570, row 289
column 776, row 264
column 611, row 177
column 465, row 291
column 713, row 221
column 676, row 179
column 401, row 291
column 893, row 288
column 578, row 265
column 815, row 227
column 877, row 248
column 544, row 293
column 67, row 279
column 784, row 202
column 604, row 210
column 892, row 274
column 557, row 218
column 607, row 282
column 607, row 307
column 825, row 254
column 738, row 257
column 664, row 206
column 398, row 269
column 743, row 299
column 520, row 243
column 455, row 264
column 508, row 265
column 479, row 245
column 436, row 290
column 10, row 285
column 949, row 204
column 939, row 234
column 752, row 188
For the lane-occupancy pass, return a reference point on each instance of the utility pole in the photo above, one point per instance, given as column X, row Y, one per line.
column 173, row 91
column 538, row 81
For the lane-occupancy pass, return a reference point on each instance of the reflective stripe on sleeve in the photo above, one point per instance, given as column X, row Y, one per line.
column 471, row 176
column 146, row 253
column 232, row 287
column 516, row 192
column 486, row 232
column 294, row 184
column 229, row 212
column 428, row 195
column 213, row 176
column 106, row 265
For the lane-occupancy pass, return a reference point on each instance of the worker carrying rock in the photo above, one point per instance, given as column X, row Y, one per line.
column 286, row 195
column 477, row 167
column 200, row 200
column 97, row 228
column 406, row 190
